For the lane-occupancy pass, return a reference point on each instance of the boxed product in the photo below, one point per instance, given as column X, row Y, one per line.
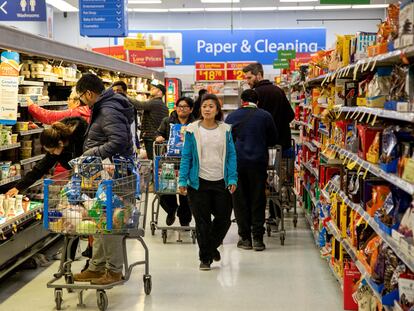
column 363, row 41
column 340, row 94
column 367, row 135
column 406, row 291
column 351, row 93
column 379, row 87
column 351, row 285
column 406, row 22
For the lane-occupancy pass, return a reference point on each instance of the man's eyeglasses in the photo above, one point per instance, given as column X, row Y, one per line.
column 183, row 107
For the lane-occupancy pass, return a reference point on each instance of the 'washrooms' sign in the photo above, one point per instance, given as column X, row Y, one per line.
column 22, row 10
column 185, row 47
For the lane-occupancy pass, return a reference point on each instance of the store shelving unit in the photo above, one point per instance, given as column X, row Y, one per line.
column 23, row 236
column 319, row 140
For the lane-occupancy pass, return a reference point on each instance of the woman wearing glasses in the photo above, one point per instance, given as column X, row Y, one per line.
column 75, row 109
column 182, row 115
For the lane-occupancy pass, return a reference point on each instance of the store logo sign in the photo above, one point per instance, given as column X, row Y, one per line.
column 24, row 10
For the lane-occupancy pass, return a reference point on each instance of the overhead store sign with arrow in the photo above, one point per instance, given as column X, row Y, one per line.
column 23, row 11
column 103, row 18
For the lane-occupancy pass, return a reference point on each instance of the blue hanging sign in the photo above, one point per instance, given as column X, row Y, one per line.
column 23, row 10
column 103, row 18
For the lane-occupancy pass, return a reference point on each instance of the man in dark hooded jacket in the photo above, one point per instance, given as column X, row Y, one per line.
column 108, row 135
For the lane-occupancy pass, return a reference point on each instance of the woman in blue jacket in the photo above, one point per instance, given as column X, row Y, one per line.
column 208, row 172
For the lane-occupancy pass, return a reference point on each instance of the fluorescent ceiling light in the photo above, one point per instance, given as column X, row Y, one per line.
column 370, row 6
column 222, row 9
column 264, row 8
column 144, row 1
column 220, row 1
column 148, row 10
column 332, row 7
column 62, row 5
column 187, row 10
column 296, row 8
column 298, row 1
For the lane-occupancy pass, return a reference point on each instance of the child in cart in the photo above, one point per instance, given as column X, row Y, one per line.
column 182, row 115
column 208, row 172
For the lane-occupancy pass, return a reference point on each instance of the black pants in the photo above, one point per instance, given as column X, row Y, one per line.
column 149, row 144
column 249, row 202
column 169, row 204
column 212, row 198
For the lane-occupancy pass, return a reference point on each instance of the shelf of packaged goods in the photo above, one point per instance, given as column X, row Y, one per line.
column 388, row 114
column 31, row 83
column 405, row 255
column 45, row 104
column 11, row 146
column 329, row 161
column 326, row 195
column 32, row 159
column 316, row 143
column 376, row 170
column 337, row 277
column 31, row 132
column 23, row 42
column 52, row 79
column 9, row 180
column 308, row 217
column 313, row 198
column 323, row 131
column 364, row 65
column 311, row 170
column 14, row 222
column 311, row 146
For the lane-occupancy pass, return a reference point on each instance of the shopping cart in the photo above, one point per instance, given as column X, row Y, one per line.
column 279, row 190
column 97, row 199
column 166, row 170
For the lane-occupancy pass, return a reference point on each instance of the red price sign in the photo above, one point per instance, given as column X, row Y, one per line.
column 210, row 71
column 234, row 70
column 210, row 75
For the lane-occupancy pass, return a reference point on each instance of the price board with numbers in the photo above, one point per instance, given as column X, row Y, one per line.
column 210, row 71
column 234, row 70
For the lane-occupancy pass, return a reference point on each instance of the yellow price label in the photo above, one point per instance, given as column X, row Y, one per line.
column 134, row 44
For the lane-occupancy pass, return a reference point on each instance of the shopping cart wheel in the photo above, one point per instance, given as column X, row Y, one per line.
column 193, row 236
column 282, row 239
column 58, row 298
column 147, row 284
column 69, row 280
column 102, row 300
column 295, row 221
column 152, row 228
column 164, row 236
column 268, row 230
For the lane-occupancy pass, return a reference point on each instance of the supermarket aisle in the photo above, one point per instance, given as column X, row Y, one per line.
column 292, row 277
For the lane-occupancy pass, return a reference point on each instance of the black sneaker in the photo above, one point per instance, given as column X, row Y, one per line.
column 170, row 219
column 258, row 245
column 244, row 244
column 205, row 266
column 216, row 255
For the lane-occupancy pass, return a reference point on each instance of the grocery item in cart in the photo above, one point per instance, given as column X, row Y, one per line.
column 176, row 140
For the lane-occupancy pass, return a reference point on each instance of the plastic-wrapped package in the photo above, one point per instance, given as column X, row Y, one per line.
column 176, row 140
column 406, row 227
column 72, row 190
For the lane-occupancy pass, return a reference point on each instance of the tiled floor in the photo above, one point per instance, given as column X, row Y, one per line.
column 289, row 277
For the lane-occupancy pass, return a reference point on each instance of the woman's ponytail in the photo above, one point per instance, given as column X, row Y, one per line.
column 51, row 136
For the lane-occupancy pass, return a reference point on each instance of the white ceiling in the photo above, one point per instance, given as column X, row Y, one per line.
column 174, row 4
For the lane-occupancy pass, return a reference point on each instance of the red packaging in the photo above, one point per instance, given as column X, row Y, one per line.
column 351, row 283
column 366, row 136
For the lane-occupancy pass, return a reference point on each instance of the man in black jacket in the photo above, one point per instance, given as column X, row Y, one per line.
column 273, row 100
column 253, row 132
column 108, row 135
column 182, row 115
column 154, row 111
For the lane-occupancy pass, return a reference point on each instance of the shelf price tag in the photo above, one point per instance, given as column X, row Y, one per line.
column 210, row 71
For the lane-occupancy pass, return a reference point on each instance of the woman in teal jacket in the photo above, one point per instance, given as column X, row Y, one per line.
column 208, row 172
